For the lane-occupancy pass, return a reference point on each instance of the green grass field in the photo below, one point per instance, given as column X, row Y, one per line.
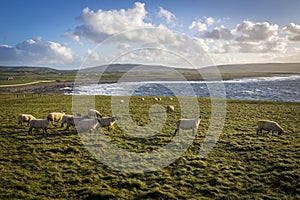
column 242, row 164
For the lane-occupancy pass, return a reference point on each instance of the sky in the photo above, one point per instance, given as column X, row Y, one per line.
column 72, row 34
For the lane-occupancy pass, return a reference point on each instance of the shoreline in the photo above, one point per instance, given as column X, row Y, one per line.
column 52, row 86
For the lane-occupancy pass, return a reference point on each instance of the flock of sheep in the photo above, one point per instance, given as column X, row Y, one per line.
column 94, row 119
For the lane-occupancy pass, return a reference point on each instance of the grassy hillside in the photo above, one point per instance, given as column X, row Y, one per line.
column 242, row 164
column 23, row 75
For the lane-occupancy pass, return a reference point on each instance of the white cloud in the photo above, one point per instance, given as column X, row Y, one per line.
column 122, row 30
column 36, row 51
column 255, row 32
column 259, row 37
column 248, row 37
column 219, row 33
column 209, row 21
column 97, row 26
column 167, row 15
column 293, row 31
column 198, row 25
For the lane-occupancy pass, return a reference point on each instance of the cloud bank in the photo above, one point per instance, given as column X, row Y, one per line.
column 37, row 52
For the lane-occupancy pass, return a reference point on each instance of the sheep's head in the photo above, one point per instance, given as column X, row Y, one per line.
column 99, row 115
column 280, row 132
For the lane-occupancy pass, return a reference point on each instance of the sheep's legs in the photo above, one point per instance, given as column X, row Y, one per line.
column 44, row 130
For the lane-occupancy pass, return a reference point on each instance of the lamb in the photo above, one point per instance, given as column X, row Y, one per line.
column 87, row 125
column 39, row 123
column 94, row 113
column 170, row 108
column 71, row 121
column 268, row 126
column 187, row 124
column 25, row 118
column 55, row 116
column 107, row 122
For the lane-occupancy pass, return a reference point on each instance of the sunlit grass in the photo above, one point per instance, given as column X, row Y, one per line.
column 242, row 164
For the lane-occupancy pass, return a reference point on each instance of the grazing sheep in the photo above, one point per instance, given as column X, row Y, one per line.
column 94, row 113
column 156, row 99
column 25, row 118
column 66, row 117
column 71, row 121
column 87, row 125
column 268, row 126
column 143, row 99
column 121, row 101
column 107, row 121
column 170, row 108
column 171, row 98
column 39, row 123
column 55, row 116
column 187, row 124
column 159, row 99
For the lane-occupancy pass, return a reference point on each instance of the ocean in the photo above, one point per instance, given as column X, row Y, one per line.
column 284, row 88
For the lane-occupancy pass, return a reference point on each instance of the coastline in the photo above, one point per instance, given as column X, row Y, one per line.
column 60, row 87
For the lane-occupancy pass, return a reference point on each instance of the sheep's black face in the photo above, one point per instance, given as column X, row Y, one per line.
column 280, row 132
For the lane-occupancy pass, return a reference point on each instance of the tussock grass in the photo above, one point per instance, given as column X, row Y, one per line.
column 241, row 165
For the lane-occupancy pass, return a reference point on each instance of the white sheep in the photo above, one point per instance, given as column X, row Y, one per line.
column 87, row 125
column 64, row 119
column 187, row 124
column 94, row 113
column 268, row 126
column 71, row 121
column 170, row 108
column 143, row 99
column 25, row 118
column 121, row 101
column 55, row 116
column 156, row 99
column 39, row 123
column 107, row 121
column 171, row 98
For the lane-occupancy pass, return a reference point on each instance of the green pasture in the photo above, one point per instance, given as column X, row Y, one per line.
column 242, row 164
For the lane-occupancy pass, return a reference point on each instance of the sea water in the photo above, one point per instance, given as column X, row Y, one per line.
column 286, row 89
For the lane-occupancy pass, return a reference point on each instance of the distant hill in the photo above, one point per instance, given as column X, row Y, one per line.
column 263, row 67
column 113, row 68
column 155, row 72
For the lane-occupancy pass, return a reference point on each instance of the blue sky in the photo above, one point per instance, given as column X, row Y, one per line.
column 66, row 34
